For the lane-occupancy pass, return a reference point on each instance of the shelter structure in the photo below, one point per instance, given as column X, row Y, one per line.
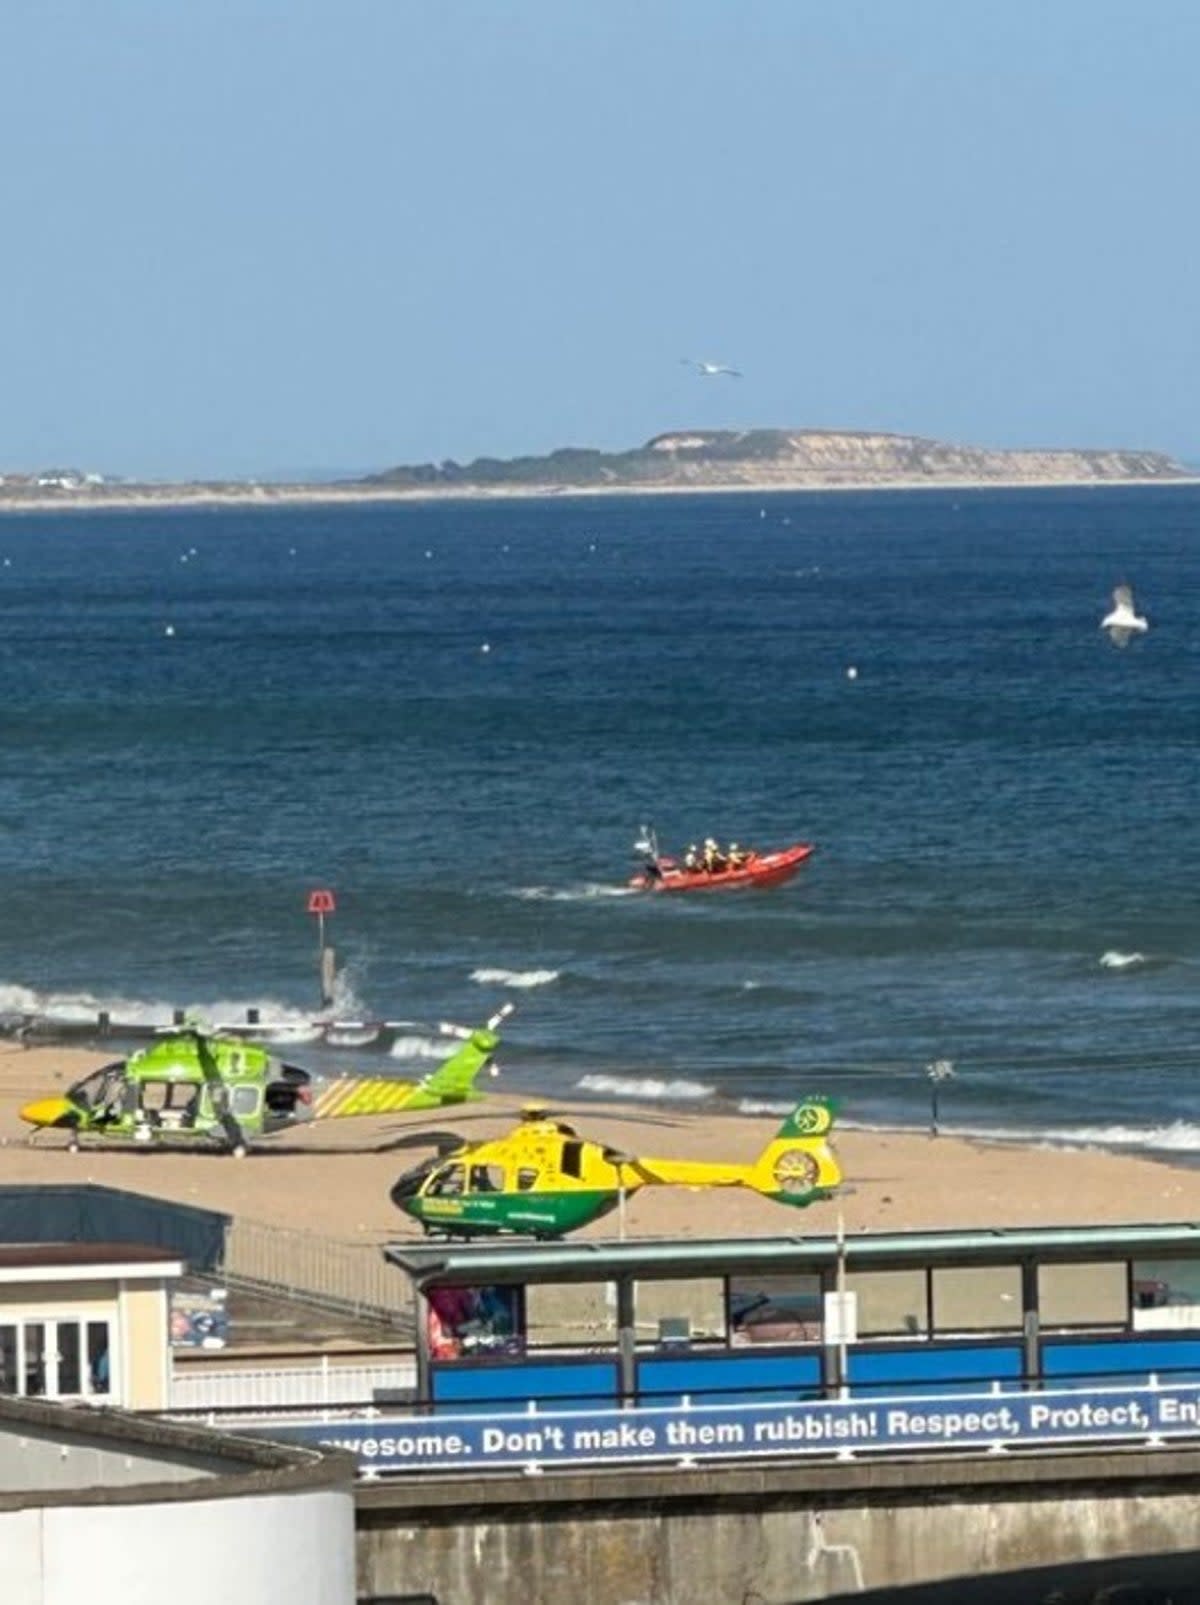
column 596, row 1323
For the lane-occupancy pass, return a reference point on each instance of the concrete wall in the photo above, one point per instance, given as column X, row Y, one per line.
column 145, row 1354
column 776, row 1535
column 293, row 1547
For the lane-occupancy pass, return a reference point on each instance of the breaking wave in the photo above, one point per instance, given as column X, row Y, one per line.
column 522, row 979
column 82, row 1008
column 1176, row 1136
column 1115, row 960
column 649, row 1088
column 420, row 1048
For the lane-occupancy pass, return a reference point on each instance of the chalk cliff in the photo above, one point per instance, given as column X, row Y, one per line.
column 707, row 458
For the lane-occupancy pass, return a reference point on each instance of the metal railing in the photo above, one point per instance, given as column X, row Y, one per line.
column 350, row 1277
column 200, row 1388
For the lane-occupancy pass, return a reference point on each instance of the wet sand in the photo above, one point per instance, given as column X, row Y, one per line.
column 333, row 1177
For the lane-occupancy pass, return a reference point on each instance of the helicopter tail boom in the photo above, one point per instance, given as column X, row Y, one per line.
column 451, row 1082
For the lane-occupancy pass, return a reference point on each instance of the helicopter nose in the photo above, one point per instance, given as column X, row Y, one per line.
column 50, row 1112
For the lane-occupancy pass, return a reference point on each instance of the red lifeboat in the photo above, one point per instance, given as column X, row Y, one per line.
column 752, row 869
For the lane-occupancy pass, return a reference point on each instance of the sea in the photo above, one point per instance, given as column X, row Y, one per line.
column 457, row 716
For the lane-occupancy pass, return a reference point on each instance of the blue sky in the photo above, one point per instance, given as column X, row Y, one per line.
column 245, row 237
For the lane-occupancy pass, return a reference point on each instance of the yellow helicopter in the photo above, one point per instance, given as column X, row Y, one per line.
column 544, row 1180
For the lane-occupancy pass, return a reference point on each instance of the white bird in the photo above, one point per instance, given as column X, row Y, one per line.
column 1123, row 621
column 710, row 370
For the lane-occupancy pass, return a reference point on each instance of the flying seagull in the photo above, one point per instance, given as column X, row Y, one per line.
column 710, row 370
column 1123, row 621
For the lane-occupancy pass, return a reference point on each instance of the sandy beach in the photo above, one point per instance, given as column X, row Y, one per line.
column 333, row 1177
column 173, row 497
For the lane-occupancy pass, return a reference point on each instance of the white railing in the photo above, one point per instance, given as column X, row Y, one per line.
column 352, row 1276
column 195, row 1386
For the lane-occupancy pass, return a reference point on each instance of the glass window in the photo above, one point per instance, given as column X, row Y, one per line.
column 1083, row 1295
column 977, row 1298
column 890, row 1303
column 465, row 1321
column 1166, row 1294
column 526, row 1178
column 571, row 1163
column 8, row 1359
column 98, row 1357
column 487, row 1178
column 774, row 1309
column 699, row 1301
column 447, row 1181
column 34, row 1378
column 575, row 1313
column 68, row 1357
column 246, row 1100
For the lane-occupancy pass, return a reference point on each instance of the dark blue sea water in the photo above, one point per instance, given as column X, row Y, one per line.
column 1004, row 806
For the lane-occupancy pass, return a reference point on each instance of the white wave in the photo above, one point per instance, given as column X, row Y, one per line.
column 522, row 979
column 352, row 1036
column 1177, row 1136
column 278, row 1023
column 763, row 1106
column 1115, row 960
column 420, row 1048
column 648, row 1087
column 568, row 894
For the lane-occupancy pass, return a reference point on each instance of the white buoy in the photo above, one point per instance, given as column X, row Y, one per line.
column 852, row 673
column 486, row 647
column 170, row 630
column 428, row 554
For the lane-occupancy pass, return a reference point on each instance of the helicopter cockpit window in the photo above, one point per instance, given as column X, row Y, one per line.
column 572, row 1159
column 487, row 1178
column 526, row 1178
column 101, row 1088
column 447, row 1183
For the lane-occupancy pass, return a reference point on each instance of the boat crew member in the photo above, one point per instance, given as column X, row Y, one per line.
column 737, row 858
column 691, row 859
column 714, row 859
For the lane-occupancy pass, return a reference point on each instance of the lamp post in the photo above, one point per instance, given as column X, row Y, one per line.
column 938, row 1071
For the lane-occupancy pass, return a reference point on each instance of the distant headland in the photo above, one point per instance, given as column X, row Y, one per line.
column 684, row 460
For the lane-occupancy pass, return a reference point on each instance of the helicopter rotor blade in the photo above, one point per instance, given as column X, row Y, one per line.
column 235, row 1137
column 444, row 1141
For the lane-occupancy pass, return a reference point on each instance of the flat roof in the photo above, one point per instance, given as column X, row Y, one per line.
column 605, row 1259
column 58, row 1262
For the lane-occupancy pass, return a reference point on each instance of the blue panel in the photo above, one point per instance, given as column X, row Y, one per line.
column 1174, row 1359
column 728, row 1378
column 940, row 1369
column 574, row 1386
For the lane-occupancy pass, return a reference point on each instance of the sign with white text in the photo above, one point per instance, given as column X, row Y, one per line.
column 734, row 1432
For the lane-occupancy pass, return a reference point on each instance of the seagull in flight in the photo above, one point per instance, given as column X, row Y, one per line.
column 710, row 370
column 1123, row 621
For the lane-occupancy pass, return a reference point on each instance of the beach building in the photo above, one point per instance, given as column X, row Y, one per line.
column 87, row 1321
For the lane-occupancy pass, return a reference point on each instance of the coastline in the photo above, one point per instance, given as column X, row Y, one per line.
column 175, row 497
column 894, row 1180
